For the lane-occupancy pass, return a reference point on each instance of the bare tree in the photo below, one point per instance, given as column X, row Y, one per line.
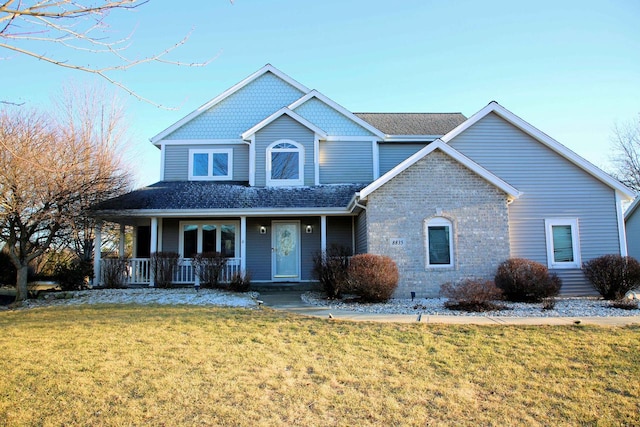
column 33, row 27
column 97, row 119
column 45, row 173
column 626, row 144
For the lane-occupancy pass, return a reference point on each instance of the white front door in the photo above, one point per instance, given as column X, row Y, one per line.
column 285, row 250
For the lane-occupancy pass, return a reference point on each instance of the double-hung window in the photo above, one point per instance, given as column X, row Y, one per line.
column 211, row 164
column 439, row 242
column 563, row 247
column 285, row 163
column 200, row 237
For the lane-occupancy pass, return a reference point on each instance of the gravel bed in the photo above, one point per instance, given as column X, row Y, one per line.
column 565, row 307
column 178, row 296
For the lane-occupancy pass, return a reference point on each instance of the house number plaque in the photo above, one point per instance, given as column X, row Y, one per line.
column 396, row 243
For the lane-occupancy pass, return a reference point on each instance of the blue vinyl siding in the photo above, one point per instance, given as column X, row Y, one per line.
column 633, row 234
column 284, row 127
column 176, row 163
column 391, row 154
column 346, row 162
column 553, row 187
column 329, row 120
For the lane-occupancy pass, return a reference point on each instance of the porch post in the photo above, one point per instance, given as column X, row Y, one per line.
column 243, row 244
column 153, row 248
column 134, row 242
column 97, row 253
column 323, row 233
column 121, row 242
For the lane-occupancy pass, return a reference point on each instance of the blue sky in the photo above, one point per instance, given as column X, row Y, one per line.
column 570, row 68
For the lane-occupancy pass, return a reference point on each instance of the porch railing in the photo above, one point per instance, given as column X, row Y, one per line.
column 138, row 271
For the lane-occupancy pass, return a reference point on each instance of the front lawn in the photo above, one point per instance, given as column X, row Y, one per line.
column 186, row 365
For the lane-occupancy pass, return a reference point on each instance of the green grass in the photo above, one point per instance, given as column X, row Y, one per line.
column 132, row 365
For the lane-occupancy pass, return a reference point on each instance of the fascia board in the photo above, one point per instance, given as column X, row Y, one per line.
column 295, row 116
column 494, row 107
column 451, row 152
column 233, row 89
column 631, row 209
column 348, row 114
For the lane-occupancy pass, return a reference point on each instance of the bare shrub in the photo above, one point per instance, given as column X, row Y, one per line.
column 163, row 264
column 373, row 277
column 523, row 280
column 472, row 295
column 114, row 272
column 208, row 267
column 330, row 268
column 613, row 275
column 240, row 282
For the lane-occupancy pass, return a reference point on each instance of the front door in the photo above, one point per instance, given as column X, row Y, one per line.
column 285, row 250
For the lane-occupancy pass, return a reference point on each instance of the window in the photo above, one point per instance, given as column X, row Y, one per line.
column 439, row 243
column 208, row 237
column 285, row 163
column 563, row 247
column 210, row 164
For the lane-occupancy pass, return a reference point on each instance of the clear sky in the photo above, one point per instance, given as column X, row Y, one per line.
column 570, row 68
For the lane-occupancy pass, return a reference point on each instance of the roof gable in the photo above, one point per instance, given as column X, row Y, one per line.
column 451, row 152
column 632, row 209
column 284, row 111
column 509, row 117
column 266, row 90
column 332, row 117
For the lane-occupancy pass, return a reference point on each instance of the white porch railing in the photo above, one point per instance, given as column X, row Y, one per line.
column 138, row 271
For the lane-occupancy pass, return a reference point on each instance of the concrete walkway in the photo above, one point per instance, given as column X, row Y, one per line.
column 291, row 302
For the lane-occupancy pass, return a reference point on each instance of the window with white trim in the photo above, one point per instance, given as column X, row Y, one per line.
column 439, row 244
column 211, row 165
column 200, row 237
column 563, row 243
column 285, row 163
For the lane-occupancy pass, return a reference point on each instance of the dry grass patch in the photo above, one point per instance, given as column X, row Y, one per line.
column 132, row 365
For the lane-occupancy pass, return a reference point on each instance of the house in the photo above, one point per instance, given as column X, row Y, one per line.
column 270, row 172
column 632, row 223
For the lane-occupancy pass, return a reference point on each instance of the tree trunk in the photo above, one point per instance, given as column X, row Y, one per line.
column 22, row 293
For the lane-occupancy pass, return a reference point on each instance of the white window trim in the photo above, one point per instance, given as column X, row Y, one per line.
column 285, row 182
column 211, row 153
column 575, row 242
column 218, row 225
column 439, row 222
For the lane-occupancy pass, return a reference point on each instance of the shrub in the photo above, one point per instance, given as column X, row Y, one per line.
column 208, row 267
column 625, row 304
column 522, row 280
column 373, row 277
column 240, row 282
column 548, row 303
column 163, row 265
column 472, row 295
column 114, row 272
column 613, row 275
column 330, row 268
column 72, row 275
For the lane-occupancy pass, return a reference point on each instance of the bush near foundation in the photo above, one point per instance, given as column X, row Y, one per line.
column 240, row 282
column 613, row 275
column 523, row 280
column 330, row 268
column 163, row 265
column 208, row 267
column 372, row 277
column 472, row 295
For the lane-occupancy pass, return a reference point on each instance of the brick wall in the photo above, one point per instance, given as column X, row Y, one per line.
column 437, row 185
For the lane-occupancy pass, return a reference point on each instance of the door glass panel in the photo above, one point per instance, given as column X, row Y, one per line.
column 208, row 238
column 228, row 241
column 439, row 245
column 190, row 240
column 286, row 250
column 562, row 243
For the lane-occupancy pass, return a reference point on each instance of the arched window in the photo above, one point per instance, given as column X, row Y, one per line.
column 285, row 163
column 439, row 235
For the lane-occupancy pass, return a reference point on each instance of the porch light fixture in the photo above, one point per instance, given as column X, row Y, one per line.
column 263, row 229
column 309, row 229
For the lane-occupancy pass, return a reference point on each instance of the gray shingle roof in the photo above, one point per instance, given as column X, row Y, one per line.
column 413, row 123
column 168, row 195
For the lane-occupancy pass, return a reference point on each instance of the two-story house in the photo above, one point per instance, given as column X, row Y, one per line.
column 270, row 172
